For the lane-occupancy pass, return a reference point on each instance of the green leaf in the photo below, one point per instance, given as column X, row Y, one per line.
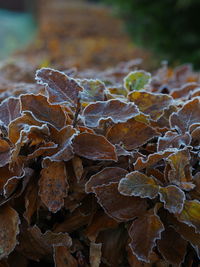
column 137, row 80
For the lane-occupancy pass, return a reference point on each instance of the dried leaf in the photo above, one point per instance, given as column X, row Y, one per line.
column 9, row 110
column 53, row 186
column 60, row 87
column 186, row 117
column 172, row 247
column 127, row 133
column 94, row 147
column 139, row 185
column 121, row 208
column 105, row 176
column 144, row 232
column 100, row 111
column 63, row 257
column 42, row 110
column 9, row 229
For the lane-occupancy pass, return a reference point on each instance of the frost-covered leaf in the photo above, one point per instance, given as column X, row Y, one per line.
column 53, row 186
column 104, row 110
column 93, row 90
column 105, row 176
column 131, row 134
column 172, row 247
column 63, row 257
column 121, row 208
column 190, row 214
column 95, row 254
column 60, row 87
column 150, row 103
column 9, row 110
column 9, row 229
column 144, row 232
column 42, row 110
column 187, row 116
column 138, row 184
column 173, row 140
column 173, row 198
column 94, row 147
column 151, row 160
column 137, row 80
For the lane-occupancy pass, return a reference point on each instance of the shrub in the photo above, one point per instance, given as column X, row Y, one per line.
column 170, row 28
column 99, row 171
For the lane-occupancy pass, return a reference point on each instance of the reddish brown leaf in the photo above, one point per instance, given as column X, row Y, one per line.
column 139, row 185
column 105, row 176
column 144, row 232
column 127, row 133
column 53, row 186
column 173, row 140
column 97, row 112
column 60, row 88
column 94, row 147
column 4, row 153
column 78, row 167
column 43, row 111
column 9, row 229
column 63, row 257
column 187, row 116
column 99, row 223
column 151, row 104
column 121, row 208
column 184, row 91
column 172, row 247
column 9, row 110
column 180, row 173
column 151, row 160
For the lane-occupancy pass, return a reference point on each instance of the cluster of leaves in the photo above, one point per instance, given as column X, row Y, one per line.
column 101, row 173
column 157, row 25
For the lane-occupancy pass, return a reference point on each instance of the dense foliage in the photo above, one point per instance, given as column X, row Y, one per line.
column 101, row 168
column 169, row 27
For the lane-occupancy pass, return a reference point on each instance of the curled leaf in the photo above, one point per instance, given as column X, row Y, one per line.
column 104, row 110
column 60, row 87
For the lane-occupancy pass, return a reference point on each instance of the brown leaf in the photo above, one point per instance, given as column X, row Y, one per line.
column 5, row 152
column 63, row 257
column 9, row 229
column 144, row 232
column 93, row 90
column 94, row 147
column 100, row 111
column 9, row 110
column 172, row 246
column 60, row 87
column 151, row 160
column 105, row 176
column 121, row 208
column 173, row 140
column 180, row 173
column 43, row 111
column 78, row 167
column 151, row 104
column 184, row 91
column 187, row 116
column 53, row 186
column 95, row 254
column 127, row 133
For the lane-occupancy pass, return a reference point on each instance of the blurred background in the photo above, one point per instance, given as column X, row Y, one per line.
column 100, row 33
